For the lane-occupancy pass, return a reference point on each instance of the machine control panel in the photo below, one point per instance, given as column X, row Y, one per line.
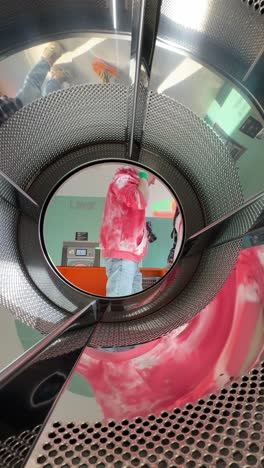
column 80, row 253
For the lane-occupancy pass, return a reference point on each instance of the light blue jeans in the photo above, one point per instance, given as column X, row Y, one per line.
column 123, row 277
column 32, row 87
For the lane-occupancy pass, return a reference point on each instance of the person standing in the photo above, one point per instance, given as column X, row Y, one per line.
column 124, row 236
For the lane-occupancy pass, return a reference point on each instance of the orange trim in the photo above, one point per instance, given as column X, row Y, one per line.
column 93, row 280
column 163, row 214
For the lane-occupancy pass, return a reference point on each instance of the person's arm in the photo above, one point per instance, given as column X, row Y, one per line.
column 131, row 193
column 144, row 188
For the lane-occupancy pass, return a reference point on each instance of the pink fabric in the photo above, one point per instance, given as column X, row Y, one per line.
column 222, row 342
column 179, row 230
column 123, row 232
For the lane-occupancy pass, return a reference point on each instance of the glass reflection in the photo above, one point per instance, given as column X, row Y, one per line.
column 104, row 59
column 39, row 71
column 20, row 337
column 45, row 77
column 113, row 229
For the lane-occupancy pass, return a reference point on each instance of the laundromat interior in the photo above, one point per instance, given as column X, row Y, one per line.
column 167, row 96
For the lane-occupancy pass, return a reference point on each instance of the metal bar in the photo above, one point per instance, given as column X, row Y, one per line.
column 253, row 65
column 15, row 196
column 138, row 7
column 145, row 20
column 234, row 225
column 29, row 462
column 18, row 365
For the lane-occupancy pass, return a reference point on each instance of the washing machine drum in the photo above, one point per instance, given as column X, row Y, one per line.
column 83, row 124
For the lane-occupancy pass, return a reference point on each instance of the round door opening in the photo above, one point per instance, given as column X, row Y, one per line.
column 112, row 229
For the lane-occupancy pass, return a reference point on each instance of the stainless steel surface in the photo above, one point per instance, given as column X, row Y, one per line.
column 207, row 30
column 187, row 134
column 231, row 227
column 40, row 24
column 164, row 10
column 253, row 65
column 220, row 430
column 188, row 144
column 28, row 396
column 138, row 13
column 17, row 366
column 15, row 196
column 14, row 450
column 203, row 50
column 145, row 19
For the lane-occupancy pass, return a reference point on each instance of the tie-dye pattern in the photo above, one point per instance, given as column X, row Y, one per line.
column 223, row 341
column 123, row 231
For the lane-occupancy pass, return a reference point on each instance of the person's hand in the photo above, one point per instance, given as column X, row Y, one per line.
column 152, row 179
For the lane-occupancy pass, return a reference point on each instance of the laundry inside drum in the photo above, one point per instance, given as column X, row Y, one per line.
column 181, row 382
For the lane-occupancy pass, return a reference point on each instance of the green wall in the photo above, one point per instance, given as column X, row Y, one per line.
column 230, row 116
column 251, row 163
column 159, row 250
column 66, row 215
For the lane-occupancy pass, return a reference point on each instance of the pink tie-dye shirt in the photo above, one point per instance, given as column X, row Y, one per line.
column 222, row 342
column 123, row 231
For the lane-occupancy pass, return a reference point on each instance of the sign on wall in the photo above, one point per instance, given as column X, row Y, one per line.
column 164, row 209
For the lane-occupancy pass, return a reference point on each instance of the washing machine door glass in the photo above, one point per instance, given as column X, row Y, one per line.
column 128, row 215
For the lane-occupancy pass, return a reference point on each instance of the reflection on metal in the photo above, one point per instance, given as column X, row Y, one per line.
column 235, row 225
column 59, row 396
column 184, row 70
column 194, row 17
column 235, row 149
column 176, row 136
column 44, row 375
column 145, row 20
column 253, row 65
column 39, row 24
column 138, row 12
column 114, row 14
column 170, row 129
column 15, row 196
column 205, row 32
column 221, row 430
column 17, row 366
